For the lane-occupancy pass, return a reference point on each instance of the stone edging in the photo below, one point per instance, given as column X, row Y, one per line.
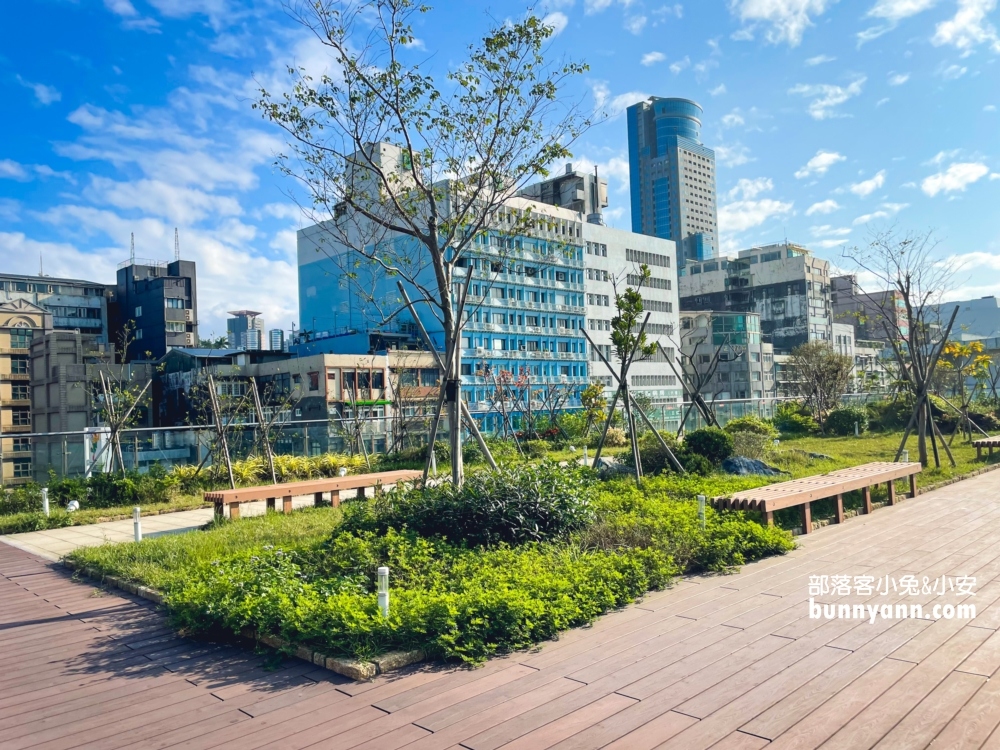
column 352, row 668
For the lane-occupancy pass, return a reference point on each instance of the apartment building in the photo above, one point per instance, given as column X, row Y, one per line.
column 157, row 304
column 74, row 304
column 784, row 283
column 730, row 348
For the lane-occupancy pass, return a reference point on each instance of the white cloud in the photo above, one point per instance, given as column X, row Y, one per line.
column 718, row 90
column 176, row 204
column 819, row 164
column 635, row 24
column 828, row 230
column 595, row 6
column 952, row 72
column 866, row 187
column 732, row 120
column 651, row 58
column 897, row 10
column 883, row 100
column 786, row 20
column 823, row 207
column 615, row 105
column 732, row 156
column 994, row 176
column 43, row 94
column 11, row 170
column 131, row 18
column 898, row 79
column 557, row 20
column 819, row 60
column 990, row 108
column 827, row 96
column 956, row 178
column 884, row 212
column 748, row 189
column 677, row 67
column 613, row 169
column 742, row 215
column 969, row 27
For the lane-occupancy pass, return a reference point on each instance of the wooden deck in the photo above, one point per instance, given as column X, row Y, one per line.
column 725, row 662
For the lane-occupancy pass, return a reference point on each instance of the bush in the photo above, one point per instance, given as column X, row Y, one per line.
column 841, row 421
column 714, row 444
column 24, row 499
column 131, row 488
column 889, row 415
column 791, row 418
column 616, row 438
column 536, row 448
column 752, row 424
column 752, row 445
column 517, row 504
column 471, row 453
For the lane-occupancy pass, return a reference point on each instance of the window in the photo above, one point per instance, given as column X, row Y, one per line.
column 313, row 381
column 138, row 334
column 19, row 392
column 138, row 311
column 175, row 327
column 20, row 338
column 19, row 365
column 429, row 377
column 22, row 445
column 22, row 468
column 174, row 303
column 755, row 356
column 21, row 417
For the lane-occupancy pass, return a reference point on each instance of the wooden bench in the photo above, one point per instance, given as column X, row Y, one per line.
column 314, row 487
column 987, row 442
column 805, row 491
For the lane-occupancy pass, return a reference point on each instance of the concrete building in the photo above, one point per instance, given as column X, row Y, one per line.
column 745, row 368
column 783, row 283
column 21, row 323
column 867, row 312
column 581, row 193
column 73, row 303
column 672, row 177
column 245, row 330
column 157, row 304
column 976, row 319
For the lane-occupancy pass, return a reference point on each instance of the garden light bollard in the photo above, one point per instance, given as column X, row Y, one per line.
column 586, row 461
column 856, row 433
column 383, row 591
column 137, row 524
column 701, row 510
column 45, row 501
column 905, row 457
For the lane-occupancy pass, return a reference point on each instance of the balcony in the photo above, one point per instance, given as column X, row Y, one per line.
column 15, row 376
column 15, row 350
column 16, row 428
column 15, row 402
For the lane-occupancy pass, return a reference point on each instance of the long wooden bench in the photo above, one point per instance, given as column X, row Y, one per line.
column 803, row 492
column 231, row 499
column 987, row 442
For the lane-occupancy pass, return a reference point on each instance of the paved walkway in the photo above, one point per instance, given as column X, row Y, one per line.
column 54, row 544
column 725, row 662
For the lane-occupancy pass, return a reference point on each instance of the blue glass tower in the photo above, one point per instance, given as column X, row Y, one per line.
column 672, row 177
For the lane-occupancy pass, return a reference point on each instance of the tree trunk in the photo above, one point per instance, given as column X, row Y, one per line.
column 922, row 432
column 630, row 425
column 453, row 397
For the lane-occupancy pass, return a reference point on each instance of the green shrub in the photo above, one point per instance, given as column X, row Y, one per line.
column 753, row 424
column 791, row 418
column 616, row 437
column 24, row 499
column 514, row 505
column 18, row 523
column 752, row 445
column 536, row 448
column 714, row 444
column 132, row 488
column 890, row 414
column 471, row 452
column 841, row 421
column 63, row 490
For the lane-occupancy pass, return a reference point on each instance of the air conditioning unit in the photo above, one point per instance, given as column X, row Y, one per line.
column 188, row 315
column 189, row 339
column 480, row 352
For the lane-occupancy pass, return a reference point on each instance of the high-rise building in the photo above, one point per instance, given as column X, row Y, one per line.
column 245, row 330
column 21, row 322
column 276, row 339
column 155, row 306
column 672, row 177
column 75, row 305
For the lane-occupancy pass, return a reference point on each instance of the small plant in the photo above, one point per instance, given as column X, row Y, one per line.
column 842, row 421
column 752, row 445
column 751, row 423
column 537, row 448
column 791, row 418
column 714, row 444
column 616, row 438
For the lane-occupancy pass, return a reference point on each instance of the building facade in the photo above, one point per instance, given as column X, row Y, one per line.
column 245, row 330
column 783, row 283
column 729, row 349
column 73, row 304
column 155, row 307
column 868, row 313
column 976, row 319
column 581, row 193
column 21, row 323
column 672, row 177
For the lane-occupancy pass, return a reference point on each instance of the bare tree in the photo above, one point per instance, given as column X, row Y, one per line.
column 409, row 176
column 822, row 375
column 905, row 263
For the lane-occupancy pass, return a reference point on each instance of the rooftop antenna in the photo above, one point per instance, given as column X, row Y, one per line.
column 41, row 270
column 132, row 252
column 177, row 245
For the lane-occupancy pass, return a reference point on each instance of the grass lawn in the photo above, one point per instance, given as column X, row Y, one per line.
column 16, row 523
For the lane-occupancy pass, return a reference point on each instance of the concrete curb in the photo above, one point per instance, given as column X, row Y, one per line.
column 360, row 671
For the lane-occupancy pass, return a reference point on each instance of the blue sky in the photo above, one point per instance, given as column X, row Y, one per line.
column 828, row 118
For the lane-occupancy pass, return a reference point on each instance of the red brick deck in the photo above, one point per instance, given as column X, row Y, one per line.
column 723, row 662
